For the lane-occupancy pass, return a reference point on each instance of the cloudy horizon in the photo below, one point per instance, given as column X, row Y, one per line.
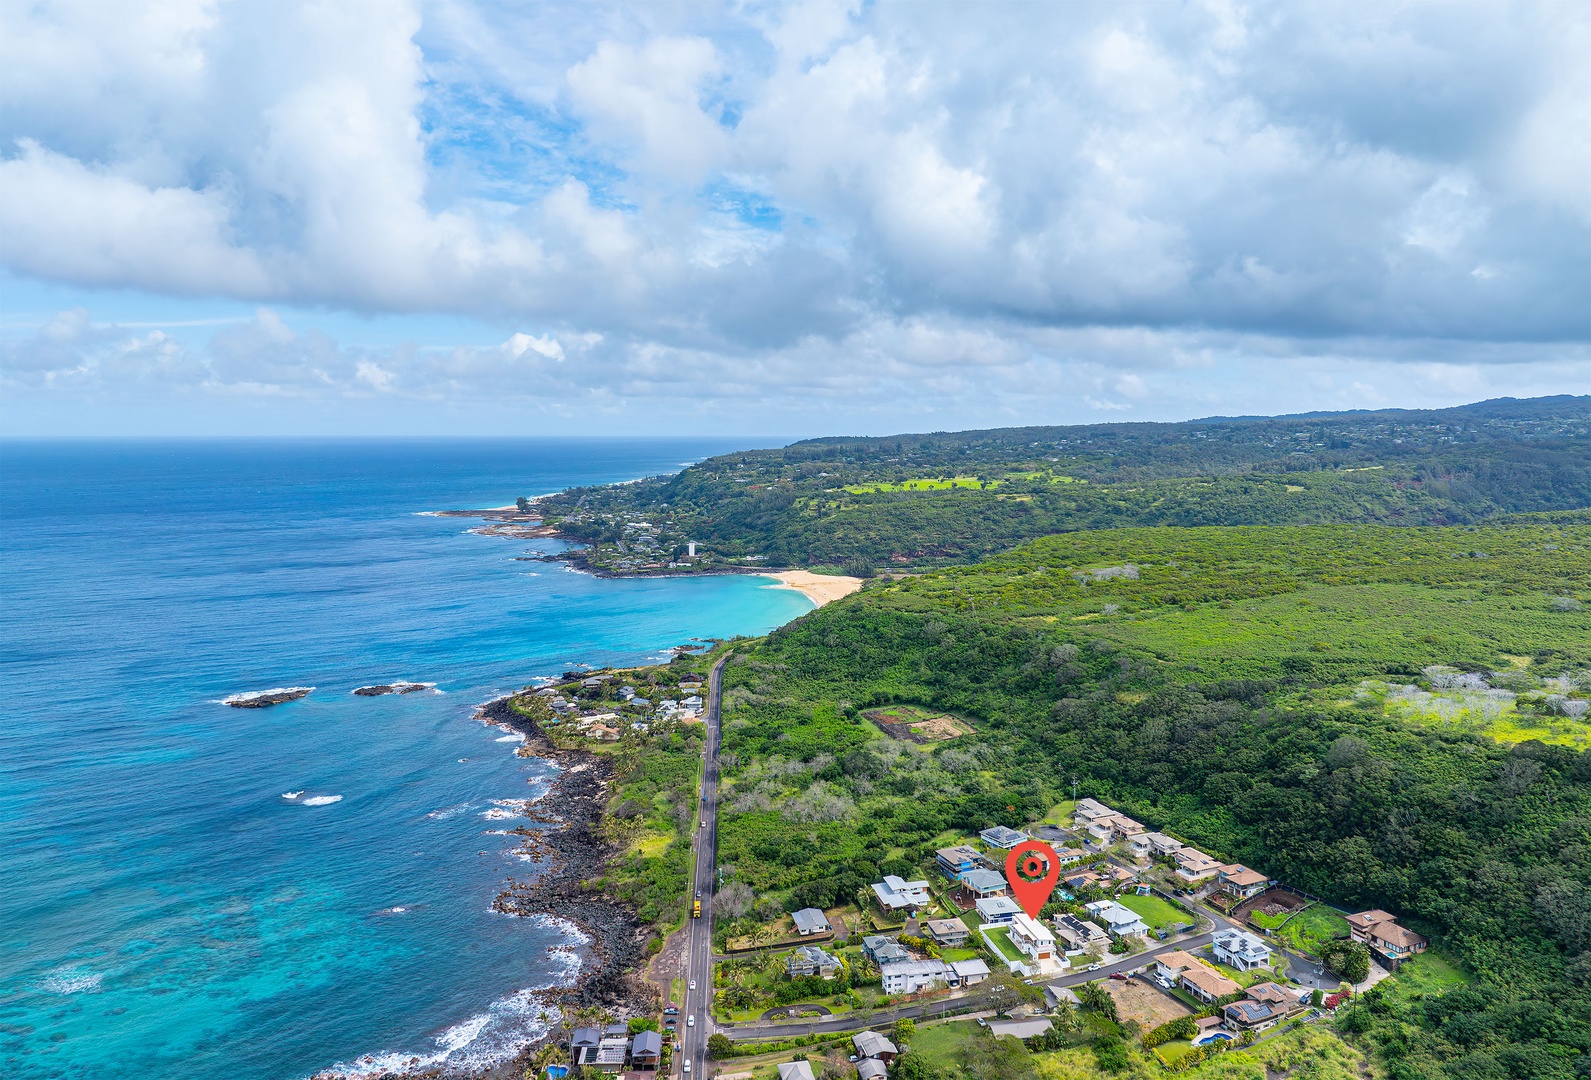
column 803, row 219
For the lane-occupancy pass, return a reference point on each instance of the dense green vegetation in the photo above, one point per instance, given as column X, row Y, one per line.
column 1213, row 683
column 922, row 500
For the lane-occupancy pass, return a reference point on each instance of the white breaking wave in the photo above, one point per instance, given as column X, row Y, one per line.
column 512, row 738
column 321, row 800
column 488, row 1038
column 448, row 811
column 291, row 794
column 72, row 981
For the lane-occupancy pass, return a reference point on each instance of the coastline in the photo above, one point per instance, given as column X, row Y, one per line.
column 570, row 856
column 511, row 522
column 821, row 589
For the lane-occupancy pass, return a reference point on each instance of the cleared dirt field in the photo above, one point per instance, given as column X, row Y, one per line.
column 917, row 724
column 1137, row 1000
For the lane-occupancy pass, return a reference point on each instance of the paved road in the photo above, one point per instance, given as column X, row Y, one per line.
column 698, row 964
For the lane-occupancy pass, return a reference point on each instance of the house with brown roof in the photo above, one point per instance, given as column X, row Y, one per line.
column 1206, row 983
column 1194, row 865
column 1380, row 931
column 1239, row 881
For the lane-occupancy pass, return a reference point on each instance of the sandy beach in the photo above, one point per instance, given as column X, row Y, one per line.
column 819, row 588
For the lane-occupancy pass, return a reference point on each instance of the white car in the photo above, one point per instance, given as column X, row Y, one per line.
column 690, row 1021
column 687, row 1065
column 693, row 984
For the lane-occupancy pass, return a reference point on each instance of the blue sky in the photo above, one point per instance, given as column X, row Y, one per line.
column 758, row 219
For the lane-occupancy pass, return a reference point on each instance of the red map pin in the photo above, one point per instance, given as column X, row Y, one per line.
column 1032, row 868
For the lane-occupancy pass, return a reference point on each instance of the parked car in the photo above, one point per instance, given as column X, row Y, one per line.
column 1119, row 975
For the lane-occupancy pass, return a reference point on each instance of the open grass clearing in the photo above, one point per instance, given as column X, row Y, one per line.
column 1310, row 929
column 1154, row 911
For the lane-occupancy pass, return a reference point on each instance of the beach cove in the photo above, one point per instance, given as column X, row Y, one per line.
column 213, row 926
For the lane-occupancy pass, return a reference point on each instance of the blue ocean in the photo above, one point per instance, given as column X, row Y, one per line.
column 165, row 912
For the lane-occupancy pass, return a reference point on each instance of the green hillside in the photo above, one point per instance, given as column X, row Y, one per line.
column 930, row 500
column 1318, row 702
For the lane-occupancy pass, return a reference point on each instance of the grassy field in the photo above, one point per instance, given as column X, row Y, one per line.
column 938, row 1042
column 1154, row 911
column 1428, row 973
column 1311, row 928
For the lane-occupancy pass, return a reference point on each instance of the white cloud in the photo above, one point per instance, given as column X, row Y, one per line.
column 837, row 199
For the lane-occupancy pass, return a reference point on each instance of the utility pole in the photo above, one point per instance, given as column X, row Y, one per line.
column 1074, row 789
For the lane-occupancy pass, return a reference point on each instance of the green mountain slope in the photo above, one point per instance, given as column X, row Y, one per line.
column 923, row 500
column 1316, row 702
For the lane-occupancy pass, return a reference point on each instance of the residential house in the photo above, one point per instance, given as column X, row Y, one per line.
column 796, row 1070
column 603, row 733
column 1031, row 937
column 583, row 1045
column 1020, row 1029
column 896, row 893
column 1277, row 994
column 1194, row 866
column 1125, row 828
column 1257, row 1012
column 805, row 961
column 1161, row 844
column 613, row 1048
column 956, row 861
column 884, row 950
column 949, row 933
column 1380, row 931
column 1169, row 966
column 1068, row 856
column 980, row 884
column 1078, row 934
column 1055, row 994
column 1236, row 948
column 810, row 921
column 1114, row 875
column 871, row 1069
column 646, row 1051
column 1001, row 837
column 1139, row 847
column 1079, row 880
column 1206, row 983
column 870, row 1044
column 910, row 976
column 1120, row 921
column 1089, row 811
column 997, row 910
column 1238, row 880
column 968, row 972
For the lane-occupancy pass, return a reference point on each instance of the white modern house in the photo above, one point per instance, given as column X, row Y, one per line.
column 1118, row 920
column 1031, row 937
column 1241, row 950
column 895, row 893
column 910, row 976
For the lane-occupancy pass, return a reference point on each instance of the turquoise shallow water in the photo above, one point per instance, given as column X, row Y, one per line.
column 164, row 911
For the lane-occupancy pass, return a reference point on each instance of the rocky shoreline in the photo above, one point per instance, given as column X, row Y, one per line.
column 571, row 856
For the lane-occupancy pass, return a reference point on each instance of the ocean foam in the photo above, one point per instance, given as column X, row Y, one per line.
column 321, row 800
column 448, row 811
column 511, row 738
column 488, row 1038
column 291, row 794
column 72, row 981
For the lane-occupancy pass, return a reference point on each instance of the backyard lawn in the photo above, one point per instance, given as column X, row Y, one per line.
column 1154, row 911
column 1000, row 938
